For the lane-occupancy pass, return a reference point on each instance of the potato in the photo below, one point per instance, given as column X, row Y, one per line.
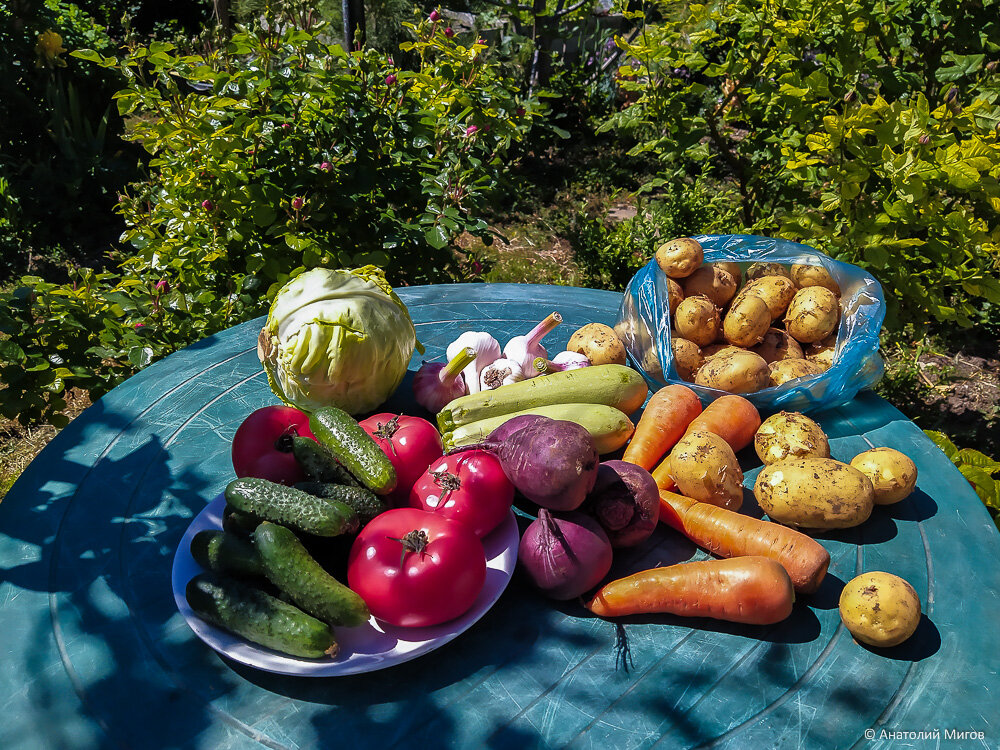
column 812, row 314
column 747, row 321
column 790, row 435
column 823, row 352
column 687, row 357
column 680, row 257
column 761, row 268
column 704, row 467
column 790, row 369
column 598, row 343
column 805, row 275
column 736, row 372
column 776, row 291
column 880, row 609
column 712, row 281
column 778, row 345
column 697, row 319
column 893, row 474
column 675, row 293
column 814, row 493
column 714, row 350
column 651, row 363
column 732, row 267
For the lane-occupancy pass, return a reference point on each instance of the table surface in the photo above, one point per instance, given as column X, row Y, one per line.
column 95, row 653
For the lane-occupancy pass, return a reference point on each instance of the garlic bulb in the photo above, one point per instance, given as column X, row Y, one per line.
column 487, row 350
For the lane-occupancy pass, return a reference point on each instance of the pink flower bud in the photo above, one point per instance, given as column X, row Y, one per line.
column 391, row 61
column 480, row 40
column 137, row 326
column 297, row 203
column 449, row 32
column 162, row 286
column 434, row 15
column 471, row 129
column 326, row 166
column 390, row 79
column 208, row 205
column 286, row 125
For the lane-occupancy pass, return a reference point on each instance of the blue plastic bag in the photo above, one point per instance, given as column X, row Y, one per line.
column 644, row 326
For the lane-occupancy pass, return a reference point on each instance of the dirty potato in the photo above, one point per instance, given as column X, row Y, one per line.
column 880, row 609
column 823, row 352
column 732, row 267
column 805, row 275
column 704, row 467
column 776, row 291
column 761, row 268
column 712, row 281
column 812, row 314
column 675, row 293
column 747, row 321
column 697, row 319
column 893, row 474
column 778, row 345
column 680, row 257
column 789, row 369
column 687, row 357
column 736, row 372
column 598, row 343
column 713, row 350
column 814, row 493
column 789, row 434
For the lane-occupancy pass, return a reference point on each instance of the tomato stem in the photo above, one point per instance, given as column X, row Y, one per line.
column 388, row 429
column 413, row 541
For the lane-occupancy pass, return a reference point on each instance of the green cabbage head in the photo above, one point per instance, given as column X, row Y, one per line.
column 340, row 338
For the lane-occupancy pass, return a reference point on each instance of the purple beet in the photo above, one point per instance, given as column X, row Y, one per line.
column 564, row 555
column 625, row 501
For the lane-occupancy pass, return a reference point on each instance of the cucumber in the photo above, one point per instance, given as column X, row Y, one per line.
column 609, row 427
column 365, row 503
column 612, row 385
column 226, row 553
column 250, row 613
column 353, row 448
column 291, row 568
column 319, row 464
column 238, row 523
column 291, row 507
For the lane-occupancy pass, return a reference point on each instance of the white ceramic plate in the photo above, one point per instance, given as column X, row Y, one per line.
column 371, row 646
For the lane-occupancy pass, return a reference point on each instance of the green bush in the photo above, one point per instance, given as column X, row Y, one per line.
column 273, row 154
column 866, row 128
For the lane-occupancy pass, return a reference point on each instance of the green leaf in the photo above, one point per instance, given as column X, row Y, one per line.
column 961, row 174
column 140, row 356
column 437, row 237
column 943, row 442
column 972, row 457
column 11, row 352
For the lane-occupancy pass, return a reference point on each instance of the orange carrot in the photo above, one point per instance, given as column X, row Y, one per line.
column 751, row 590
column 665, row 418
column 728, row 534
column 732, row 418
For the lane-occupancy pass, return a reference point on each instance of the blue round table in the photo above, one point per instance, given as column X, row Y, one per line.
column 95, row 653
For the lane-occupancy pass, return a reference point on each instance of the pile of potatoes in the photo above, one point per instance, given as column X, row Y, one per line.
column 780, row 325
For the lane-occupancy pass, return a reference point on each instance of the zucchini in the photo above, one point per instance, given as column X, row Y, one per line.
column 365, row 503
column 609, row 427
column 291, row 568
column 319, row 464
column 226, row 553
column 354, row 448
column 611, row 385
column 250, row 613
column 286, row 505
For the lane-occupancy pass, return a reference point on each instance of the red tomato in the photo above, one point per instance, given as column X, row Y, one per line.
column 411, row 443
column 415, row 568
column 469, row 487
column 262, row 446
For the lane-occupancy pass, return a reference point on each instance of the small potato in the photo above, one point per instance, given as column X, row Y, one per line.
column 776, row 291
column 687, row 357
column 778, row 345
column 598, row 343
column 823, row 352
column 747, row 321
column 893, row 474
column 651, row 363
column 814, row 493
column 812, row 314
column 735, row 372
column 759, row 269
column 713, row 350
column 790, row 435
column 880, row 609
column 675, row 293
column 790, row 369
column 697, row 319
column 805, row 275
column 732, row 267
column 680, row 257
column 712, row 281
column 704, row 467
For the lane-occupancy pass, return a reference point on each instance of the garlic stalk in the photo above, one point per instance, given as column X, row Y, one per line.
column 436, row 384
column 500, row 372
column 562, row 361
column 524, row 349
column 487, row 350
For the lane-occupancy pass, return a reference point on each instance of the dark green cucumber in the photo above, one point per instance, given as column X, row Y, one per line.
column 354, row 448
column 226, row 553
column 319, row 464
column 291, row 507
column 259, row 617
column 238, row 523
column 291, row 568
column 365, row 503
